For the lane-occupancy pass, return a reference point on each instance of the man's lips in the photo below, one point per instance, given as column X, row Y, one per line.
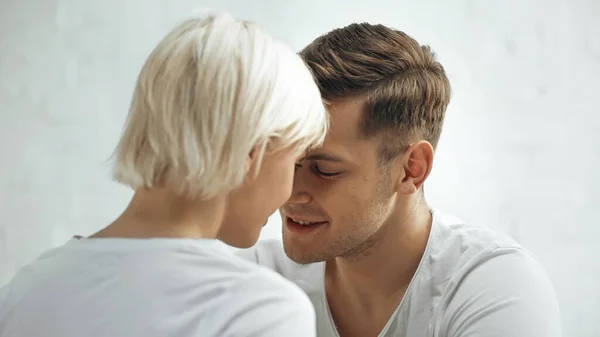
column 303, row 227
column 303, row 219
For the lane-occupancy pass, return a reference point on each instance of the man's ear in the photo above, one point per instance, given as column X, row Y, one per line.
column 416, row 164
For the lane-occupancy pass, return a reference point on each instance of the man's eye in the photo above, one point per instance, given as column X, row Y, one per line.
column 325, row 174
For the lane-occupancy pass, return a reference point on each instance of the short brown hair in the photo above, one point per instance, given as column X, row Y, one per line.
column 406, row 89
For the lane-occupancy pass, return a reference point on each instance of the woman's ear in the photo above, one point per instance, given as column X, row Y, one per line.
column 250, row 160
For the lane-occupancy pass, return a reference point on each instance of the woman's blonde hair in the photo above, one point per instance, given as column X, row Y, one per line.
column 214, row 90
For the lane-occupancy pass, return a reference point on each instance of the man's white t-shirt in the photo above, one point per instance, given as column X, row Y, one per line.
column 151, row 288
column 471, row 282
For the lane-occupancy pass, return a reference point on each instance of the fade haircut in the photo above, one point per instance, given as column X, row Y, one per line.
column 214, row 90
column 405, row 89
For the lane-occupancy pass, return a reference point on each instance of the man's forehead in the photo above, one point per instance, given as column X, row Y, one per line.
column 334, row 149
column 346, row 120
column 343, row 142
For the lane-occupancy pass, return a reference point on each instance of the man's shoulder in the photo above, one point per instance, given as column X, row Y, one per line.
column 267, row 253
column 271, row 255
column 263, row 284
column 470, row 258
column 458, row 241
column 470, row 270
column 497, row 289
column 456, row 249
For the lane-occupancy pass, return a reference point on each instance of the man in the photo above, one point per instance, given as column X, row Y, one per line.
column 358, row 236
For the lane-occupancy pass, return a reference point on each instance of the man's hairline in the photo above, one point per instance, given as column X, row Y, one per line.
column 379, row 136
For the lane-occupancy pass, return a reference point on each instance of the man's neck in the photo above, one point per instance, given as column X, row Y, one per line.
column 372, row 285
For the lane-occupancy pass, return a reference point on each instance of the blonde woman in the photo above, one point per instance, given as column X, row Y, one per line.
column 220, row 115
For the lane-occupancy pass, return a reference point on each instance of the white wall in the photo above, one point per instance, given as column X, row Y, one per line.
column 520, row 152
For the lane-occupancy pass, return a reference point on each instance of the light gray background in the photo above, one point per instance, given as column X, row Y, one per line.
column 520, row 151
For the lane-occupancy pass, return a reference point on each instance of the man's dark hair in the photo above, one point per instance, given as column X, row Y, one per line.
column 405, row 89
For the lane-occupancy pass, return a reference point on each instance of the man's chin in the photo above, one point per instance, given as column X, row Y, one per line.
column 300, row 256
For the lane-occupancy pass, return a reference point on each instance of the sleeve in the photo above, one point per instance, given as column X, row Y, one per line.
column 508, row 295
column 269, row 306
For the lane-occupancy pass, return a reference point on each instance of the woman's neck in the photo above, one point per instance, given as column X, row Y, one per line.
column 154, row 213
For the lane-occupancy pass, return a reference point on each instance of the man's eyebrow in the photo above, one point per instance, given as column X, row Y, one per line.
column 323, row 156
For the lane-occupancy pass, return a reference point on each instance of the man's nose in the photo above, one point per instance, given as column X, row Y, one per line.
column 300, row 193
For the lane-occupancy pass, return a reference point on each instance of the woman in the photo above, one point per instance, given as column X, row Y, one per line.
column 220, row 115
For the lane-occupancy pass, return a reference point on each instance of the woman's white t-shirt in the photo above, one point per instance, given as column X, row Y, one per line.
column 151, row 288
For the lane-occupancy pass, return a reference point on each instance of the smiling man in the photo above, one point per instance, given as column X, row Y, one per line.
column 358, row 235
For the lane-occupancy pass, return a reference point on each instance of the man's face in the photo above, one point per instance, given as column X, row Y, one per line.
column 341, row 190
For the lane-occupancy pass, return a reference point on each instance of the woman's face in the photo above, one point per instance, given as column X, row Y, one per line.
column 250, row 205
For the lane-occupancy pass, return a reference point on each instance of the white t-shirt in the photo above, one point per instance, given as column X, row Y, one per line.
column 151, row 288
column 471, row 282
